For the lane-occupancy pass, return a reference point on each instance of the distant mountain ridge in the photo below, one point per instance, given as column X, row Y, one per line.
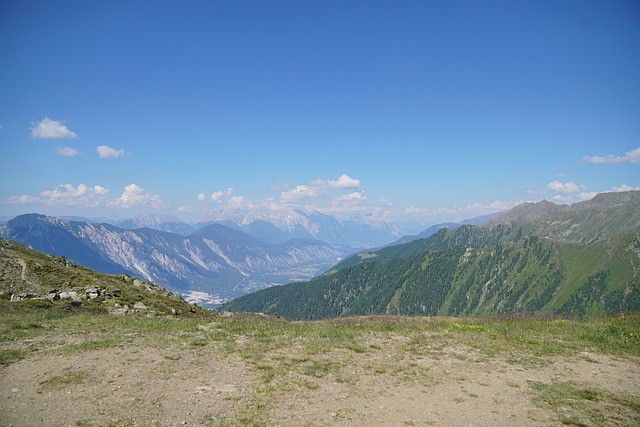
column 606, row 215
column 577, row 259
column 214, row 259
column 348, row 234
column 477, row 221
column 171, row 224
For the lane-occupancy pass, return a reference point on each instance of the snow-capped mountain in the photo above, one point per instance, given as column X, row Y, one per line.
column 348, row 234
column 216, row 259
column 171, row 224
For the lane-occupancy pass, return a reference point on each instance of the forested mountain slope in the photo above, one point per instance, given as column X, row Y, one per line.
column 565, row 261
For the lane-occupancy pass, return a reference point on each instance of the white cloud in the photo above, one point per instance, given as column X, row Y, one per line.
column 457, row 213
column 564, row 188
column 236, row 201
column 201, row 197
column 22, row 200
column 219, row 196
column 51, row 129
column 318, row 188
column 91, row 196
column 346, row 204
column 412, row 210
column 580, row 196
column 301, row 192
column 134, row 195
column 623, row 187
column 106, row 152
column 66, row 195
column 356, row 196
column 344, row 181
column 586, row 195
column 632, row 156
column 66, row 152
column 610, row 159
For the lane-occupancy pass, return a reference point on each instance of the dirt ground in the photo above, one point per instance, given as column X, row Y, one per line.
column 173, row 386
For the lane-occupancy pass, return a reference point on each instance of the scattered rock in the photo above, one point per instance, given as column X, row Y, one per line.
column 23, row 296
column 92, row 292
column 73, row 295
column 140, row 306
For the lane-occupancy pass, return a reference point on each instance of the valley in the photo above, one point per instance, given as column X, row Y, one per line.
column 216, row 260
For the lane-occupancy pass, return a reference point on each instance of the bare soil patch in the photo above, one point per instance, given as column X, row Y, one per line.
column 72, row 381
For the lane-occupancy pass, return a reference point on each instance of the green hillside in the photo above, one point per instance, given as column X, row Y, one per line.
column 528, row 276
column 466, row 235
column 580, row 259
column 33, row 279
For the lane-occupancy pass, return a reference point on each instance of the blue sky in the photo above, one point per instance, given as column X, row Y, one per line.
column 408, row 110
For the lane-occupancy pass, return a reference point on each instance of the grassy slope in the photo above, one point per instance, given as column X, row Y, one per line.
column 26, row 271
column 607, row 215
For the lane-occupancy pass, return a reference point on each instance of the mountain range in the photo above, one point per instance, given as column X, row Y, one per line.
column 209, row 265
column 477, row 221
column 210, row 261
column 170, row 224
column 348, row 235
column 537, row 257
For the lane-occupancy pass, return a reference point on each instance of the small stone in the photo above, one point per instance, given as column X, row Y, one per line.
column 73, row 295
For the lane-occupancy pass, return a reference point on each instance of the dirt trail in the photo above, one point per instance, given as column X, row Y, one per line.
column 23, row 273
column 137, row 385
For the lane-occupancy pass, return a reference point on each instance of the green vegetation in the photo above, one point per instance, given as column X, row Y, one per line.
column 584, row 406
column 530, row 275
column 66, row 378
column 35, row 280
column 537, row 258
column 11, row 355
